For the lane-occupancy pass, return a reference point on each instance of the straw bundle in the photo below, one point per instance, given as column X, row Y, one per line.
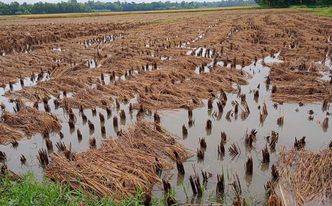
column 122, row 166
column 32, row 121
column 306, row 175
column 8, row 134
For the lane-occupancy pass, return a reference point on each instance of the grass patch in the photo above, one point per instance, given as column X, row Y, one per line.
column 109, row 13
column 319, row 11
column 28, row 191
column 325, row 11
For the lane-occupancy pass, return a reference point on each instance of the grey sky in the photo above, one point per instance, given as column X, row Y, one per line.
column 138, row 1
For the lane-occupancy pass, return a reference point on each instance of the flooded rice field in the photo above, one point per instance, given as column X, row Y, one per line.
column 299, row 121
column 202, row 111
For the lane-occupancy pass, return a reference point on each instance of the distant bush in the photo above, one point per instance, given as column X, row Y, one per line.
column 287, row 3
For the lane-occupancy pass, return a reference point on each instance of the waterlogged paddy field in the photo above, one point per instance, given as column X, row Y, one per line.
column 72, row 85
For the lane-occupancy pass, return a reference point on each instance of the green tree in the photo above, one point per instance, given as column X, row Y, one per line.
column 75, row 6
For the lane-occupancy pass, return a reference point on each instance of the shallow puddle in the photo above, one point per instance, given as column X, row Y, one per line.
column 100, row 40
column 9, row 105
column 57, row 49
column 91, row 64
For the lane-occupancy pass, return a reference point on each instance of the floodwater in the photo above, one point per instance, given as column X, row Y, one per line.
column 24, row 82
column 296, row 124
column 29, row 147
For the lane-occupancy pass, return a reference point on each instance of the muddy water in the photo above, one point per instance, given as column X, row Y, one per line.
column 296, row 124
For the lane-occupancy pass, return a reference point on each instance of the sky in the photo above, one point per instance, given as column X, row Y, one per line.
column 138, row 1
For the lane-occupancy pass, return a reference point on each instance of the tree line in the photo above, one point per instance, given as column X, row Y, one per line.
column 287, row 3
column 90, row 6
